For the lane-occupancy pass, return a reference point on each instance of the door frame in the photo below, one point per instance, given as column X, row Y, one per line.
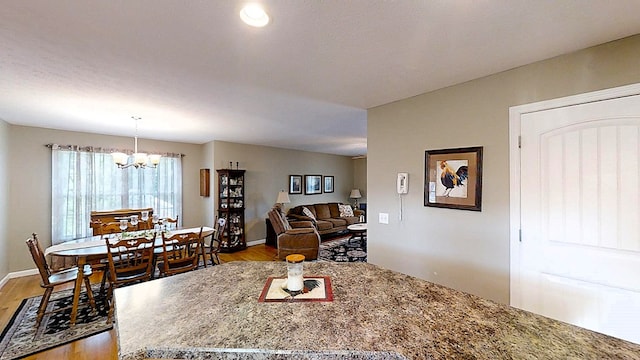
column 515, row 113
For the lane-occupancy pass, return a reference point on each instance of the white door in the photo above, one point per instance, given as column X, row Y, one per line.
column 579, row 251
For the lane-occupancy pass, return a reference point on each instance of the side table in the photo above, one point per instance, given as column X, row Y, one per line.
column 358, row 231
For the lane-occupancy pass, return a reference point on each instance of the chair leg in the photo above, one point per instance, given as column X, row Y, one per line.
column 92, row 301
column 154, row 266
column 203, row 255
column 43, row 305
column 212, row 255
column 109, row 303
column 104, row 281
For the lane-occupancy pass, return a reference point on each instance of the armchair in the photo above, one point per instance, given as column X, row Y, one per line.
column 303, row 239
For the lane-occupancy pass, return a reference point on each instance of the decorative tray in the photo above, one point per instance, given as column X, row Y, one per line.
column 316, row 288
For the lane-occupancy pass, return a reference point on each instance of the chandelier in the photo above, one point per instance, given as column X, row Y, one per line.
column 140, row 160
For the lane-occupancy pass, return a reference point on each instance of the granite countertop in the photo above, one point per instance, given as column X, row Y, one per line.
column 376, row 313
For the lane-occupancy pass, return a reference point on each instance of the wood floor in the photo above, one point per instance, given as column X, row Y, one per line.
column 103, row 345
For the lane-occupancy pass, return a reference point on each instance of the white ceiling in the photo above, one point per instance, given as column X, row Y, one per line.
column 195, row 73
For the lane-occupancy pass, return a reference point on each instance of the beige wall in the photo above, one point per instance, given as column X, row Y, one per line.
column 463, row 249
column 4, row 196
column 360, row 178
column 208, row 203
column 268, row 171
column 30, row 182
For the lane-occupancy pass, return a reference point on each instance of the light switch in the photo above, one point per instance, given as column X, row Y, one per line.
column 383, row 218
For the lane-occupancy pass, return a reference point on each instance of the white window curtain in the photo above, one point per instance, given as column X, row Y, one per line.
column 85, row 179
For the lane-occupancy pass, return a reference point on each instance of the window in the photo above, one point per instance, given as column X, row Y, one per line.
column 86, row 179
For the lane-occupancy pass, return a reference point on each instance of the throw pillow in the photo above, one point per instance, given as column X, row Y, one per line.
column 345, row 210
column 308, row 213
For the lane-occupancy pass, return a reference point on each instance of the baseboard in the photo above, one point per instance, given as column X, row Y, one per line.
column 256, row 242
column 17, row 274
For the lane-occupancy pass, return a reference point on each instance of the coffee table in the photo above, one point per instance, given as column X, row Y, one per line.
column 358, row 231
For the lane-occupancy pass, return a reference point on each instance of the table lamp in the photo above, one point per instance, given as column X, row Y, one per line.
column 283, row 198
column 355, row 194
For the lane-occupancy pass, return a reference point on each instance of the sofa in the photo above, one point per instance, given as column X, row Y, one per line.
column 326, row 217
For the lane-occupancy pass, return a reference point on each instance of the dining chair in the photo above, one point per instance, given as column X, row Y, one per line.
column 145, row 224
column 130, row 261
column 180, row 253
column 110, row 228
column 104, row 230
column 213, row 248
column 52, row 279
column 170, row 223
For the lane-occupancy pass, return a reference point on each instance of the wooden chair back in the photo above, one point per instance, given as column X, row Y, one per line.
column 180, row 253
column 115, row 215
column 170, row 223
column 113, row 227
column 218, row 234
column 38, row 257
column 107, row 228
column 130, row 260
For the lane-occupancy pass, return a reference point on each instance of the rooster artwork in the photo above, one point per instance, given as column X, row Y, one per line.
column 453, row 182
column 308, row 286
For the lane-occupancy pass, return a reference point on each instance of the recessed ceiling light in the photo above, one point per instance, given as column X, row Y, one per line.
column 254, row 15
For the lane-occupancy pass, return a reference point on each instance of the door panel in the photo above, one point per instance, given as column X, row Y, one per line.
column 580, row 215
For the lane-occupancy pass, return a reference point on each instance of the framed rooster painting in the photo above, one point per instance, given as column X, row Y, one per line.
column 453, row 178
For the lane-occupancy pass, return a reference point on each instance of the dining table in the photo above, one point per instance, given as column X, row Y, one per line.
column 94, row 249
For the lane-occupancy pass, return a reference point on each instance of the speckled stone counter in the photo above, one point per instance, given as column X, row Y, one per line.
column 214, row 313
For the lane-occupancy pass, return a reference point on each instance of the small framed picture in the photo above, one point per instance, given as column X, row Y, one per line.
column 453, row 178
column 312, row 184
column 328, row 184
column 295, row 184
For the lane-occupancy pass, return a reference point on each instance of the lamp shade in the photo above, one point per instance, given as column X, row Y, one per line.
column 355, row 194
column 283, row 198
column 120, row 158
column 154, row 159
column 140, row 158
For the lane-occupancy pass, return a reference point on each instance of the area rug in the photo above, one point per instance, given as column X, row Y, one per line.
column 344, row 250
column 21, row 338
